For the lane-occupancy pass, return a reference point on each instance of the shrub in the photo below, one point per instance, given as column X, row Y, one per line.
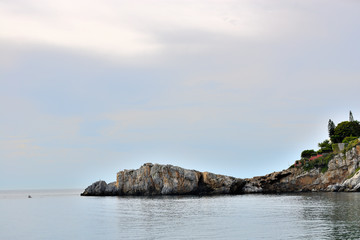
column 320, row 162
column 345, row 129
column 324, row 169
column 325, row 147
column 352, row 144
column 349, row 139
column 307, row 153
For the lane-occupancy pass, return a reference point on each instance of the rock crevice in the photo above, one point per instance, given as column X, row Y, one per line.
column 341, row 175
column 155, row 179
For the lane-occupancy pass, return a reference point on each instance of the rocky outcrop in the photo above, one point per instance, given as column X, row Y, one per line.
column 341, row 175
column 155, row 179
column 100, row 188
column 350, row 185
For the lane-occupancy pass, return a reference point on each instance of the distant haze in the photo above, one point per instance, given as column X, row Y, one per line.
column 88, row 88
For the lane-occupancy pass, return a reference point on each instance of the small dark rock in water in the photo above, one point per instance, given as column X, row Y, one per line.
column 29, row 196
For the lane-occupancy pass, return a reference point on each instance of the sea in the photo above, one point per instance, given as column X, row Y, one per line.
column 65, row 215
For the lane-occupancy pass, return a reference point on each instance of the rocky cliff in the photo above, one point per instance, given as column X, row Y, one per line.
column 155, row 179
column 341, row 173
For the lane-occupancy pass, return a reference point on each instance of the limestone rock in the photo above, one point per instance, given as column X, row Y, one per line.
column 219, row 184
column 333, row 188
column 252, row 187
column 352, row 184
column 96, row 189
column 111, row 189
column 155, row 179
column 334, row 179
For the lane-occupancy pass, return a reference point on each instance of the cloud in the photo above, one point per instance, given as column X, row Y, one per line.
column 90, row 28
column 158, row 29
column 136, row 29
column 226, row 84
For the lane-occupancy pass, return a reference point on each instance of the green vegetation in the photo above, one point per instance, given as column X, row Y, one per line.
column 325, row 147
column 320, row 162
column 352, row 144
column 331, row 128
column 347, row 132
column 335, row 148
column 307, row 153
column 347, row 140
column 345, row 129
column 351, row 118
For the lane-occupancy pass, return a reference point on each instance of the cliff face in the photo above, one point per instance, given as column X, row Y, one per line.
column 341, row 175
column 154, row 179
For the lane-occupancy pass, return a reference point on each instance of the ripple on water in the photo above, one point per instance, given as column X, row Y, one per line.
column 291, row 216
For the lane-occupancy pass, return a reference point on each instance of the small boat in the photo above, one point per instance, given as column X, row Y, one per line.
column 29, row 196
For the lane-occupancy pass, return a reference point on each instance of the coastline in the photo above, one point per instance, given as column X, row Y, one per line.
column 342, row 175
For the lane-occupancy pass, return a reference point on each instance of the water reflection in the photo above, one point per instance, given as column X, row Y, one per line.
column 300, row 216
column 334, row 215
column 293, row 216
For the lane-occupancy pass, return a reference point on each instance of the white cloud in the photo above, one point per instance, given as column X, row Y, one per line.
column 65, row 24
column 128, row 28
column 237, row 74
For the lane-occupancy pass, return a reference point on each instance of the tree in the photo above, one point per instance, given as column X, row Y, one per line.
column 325, row 146
column 351, row 118
column 307, row 153
column 331, row 128
column 345, row 129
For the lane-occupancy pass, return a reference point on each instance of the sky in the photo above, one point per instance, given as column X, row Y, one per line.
column 234, row 87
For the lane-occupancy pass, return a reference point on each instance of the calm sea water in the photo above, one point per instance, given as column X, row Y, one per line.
column 65, row 215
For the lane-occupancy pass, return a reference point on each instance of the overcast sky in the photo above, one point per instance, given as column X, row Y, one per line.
column 240, row 88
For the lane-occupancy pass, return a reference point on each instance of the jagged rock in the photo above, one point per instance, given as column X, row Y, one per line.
column 298, row 180
column 333, row 188
column 155, row 179
column 96, row 189
column 220, row 184
column 352, row 184
column 111, row 189
column 250, row 187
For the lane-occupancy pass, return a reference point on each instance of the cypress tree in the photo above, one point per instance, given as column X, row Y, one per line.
column 331, row 128
column 351, row 118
